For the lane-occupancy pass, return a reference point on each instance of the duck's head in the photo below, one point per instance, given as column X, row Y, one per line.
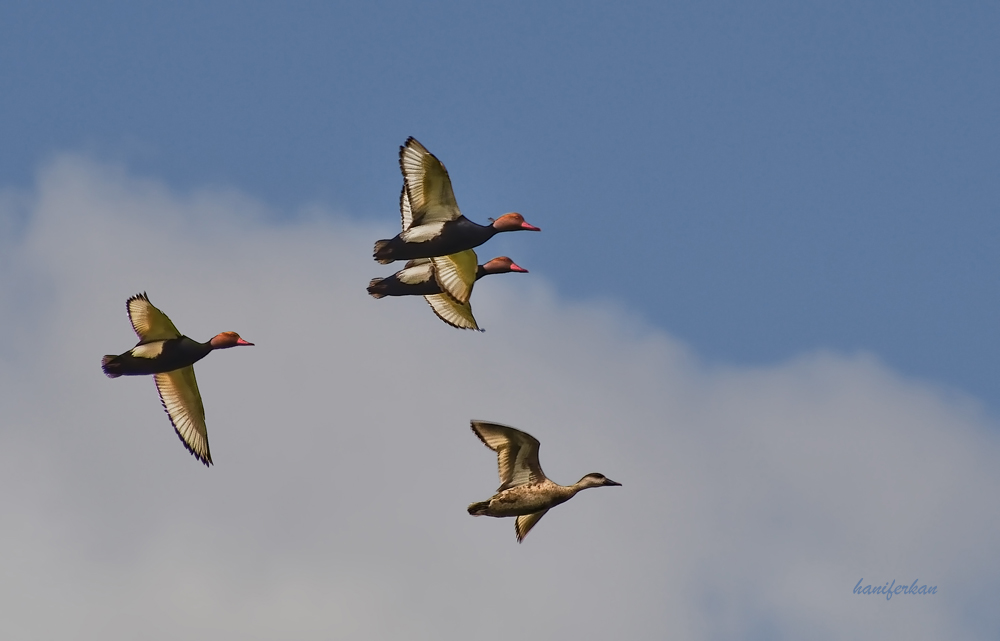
column 502, row 265
column 596, row 479
column 227, row 339
column 512, row 222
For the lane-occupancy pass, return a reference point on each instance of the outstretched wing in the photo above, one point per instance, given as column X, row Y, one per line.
column 525, row 522
column 452, row 312
column 517, row 453
column 456, row 274
column 149, row 323
column 427, row 183
column 182, row 401
column 405, row 211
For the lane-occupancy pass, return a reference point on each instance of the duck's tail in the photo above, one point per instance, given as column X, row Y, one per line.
column 479, row 509
column 111, row 369
column 376, row 290
column 382, row 252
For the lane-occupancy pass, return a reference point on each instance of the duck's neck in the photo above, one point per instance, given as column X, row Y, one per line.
column 566, row 492
column 193, row 349
column 582, row 484
column 481, row 233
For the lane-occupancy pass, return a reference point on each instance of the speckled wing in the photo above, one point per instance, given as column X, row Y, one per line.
column 427, row 183
column 182, row 401
column 525, row 522
column 517, row 453
column 452, row 312
column 149, row 323
column 456, row 274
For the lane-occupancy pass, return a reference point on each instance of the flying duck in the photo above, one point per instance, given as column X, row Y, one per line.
column 436, row 227
column 166, row 354
column 525, row 491
column 421, row 277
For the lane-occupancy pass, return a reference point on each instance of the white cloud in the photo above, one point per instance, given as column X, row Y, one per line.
column 753, row 499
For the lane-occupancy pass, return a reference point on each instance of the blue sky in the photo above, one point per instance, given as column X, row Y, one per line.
column 764, row 299
column 756, row 180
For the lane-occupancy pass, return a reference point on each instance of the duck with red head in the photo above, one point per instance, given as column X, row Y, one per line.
column 227, row 339
column 169, row 356
column 445, row 282
column 418, row 277
column 433, row 225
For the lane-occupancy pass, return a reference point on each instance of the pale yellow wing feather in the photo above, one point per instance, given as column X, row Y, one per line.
column 517, row 453
column 182, row 401
column 456, row 274
column 525, row 522
column 427, row 184
column 405, row 211
column 149, row 323
column 451, row 311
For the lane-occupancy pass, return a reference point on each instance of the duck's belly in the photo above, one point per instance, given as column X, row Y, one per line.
column 518, row 501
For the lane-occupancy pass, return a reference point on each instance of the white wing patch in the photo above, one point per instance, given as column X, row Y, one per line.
column 416, row 274
column 182, row 402
column 452, row 312
column 456, row 274
column 422, row 233
column 148, row 350
column 149, row 323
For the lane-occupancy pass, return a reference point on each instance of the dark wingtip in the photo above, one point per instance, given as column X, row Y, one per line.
column 205, row 460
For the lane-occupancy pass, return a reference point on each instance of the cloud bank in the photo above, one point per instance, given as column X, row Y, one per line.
column 754, row 500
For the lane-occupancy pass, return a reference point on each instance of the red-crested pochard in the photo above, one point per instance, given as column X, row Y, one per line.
column 421, row 275
column 445, row 282
column 436, row 226
column 168, row 355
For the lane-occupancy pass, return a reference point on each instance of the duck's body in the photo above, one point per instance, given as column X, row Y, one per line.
column 416, row 279
column 156, row 357
column 168, row 355
column 443, row 283
column 441, row 239
column 524, row 499
column 435, row 226
column 525, row 492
